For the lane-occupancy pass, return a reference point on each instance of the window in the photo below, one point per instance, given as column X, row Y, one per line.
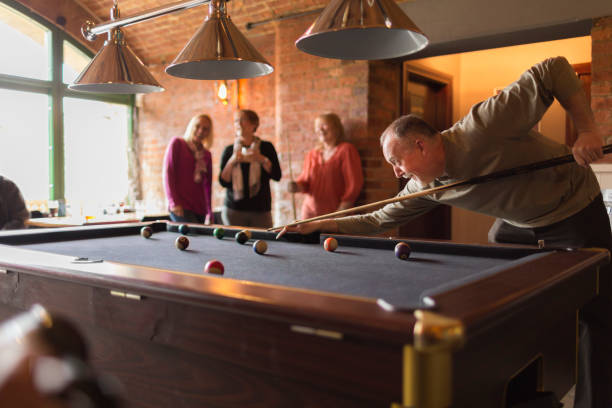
column 75, row 61
column 24, row 141
column 96, row 150
column 57, row 144
column 25, row 45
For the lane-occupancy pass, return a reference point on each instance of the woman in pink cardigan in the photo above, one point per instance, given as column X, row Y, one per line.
column 331, row 176
column 188, row 173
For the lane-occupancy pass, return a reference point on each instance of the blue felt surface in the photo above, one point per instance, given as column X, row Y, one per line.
column 364, row 272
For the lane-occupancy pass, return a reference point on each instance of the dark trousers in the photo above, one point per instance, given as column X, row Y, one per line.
column 188, row 216
column 588, row 228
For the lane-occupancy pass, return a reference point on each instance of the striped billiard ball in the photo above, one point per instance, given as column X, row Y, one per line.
column 146, row 232
column 260, row 247
column 330, row 244
column 181, row 243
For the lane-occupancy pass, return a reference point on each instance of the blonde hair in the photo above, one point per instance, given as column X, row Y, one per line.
column 191, row 126
column 336, row 124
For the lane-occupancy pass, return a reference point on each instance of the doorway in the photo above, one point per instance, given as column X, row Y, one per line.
column 427, row 94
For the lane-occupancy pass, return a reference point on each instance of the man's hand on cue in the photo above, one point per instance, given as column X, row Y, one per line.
column 310, row 227
column 588, row 147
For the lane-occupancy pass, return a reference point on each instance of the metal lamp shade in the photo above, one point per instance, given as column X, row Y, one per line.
column 218, row 50
column 116, row 69
column 362, row 30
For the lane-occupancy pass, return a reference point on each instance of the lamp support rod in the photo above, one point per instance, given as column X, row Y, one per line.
column 254, row 24
column 91, row 31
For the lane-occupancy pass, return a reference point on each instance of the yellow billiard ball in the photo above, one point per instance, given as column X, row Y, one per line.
column 260, row 247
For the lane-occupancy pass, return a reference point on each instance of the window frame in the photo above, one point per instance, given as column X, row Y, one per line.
column 56, row 91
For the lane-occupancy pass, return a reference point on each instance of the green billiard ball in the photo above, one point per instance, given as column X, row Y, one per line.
column 219, row 233
column 183, row 229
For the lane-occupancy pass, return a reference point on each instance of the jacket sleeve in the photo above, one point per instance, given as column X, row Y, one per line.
column 389, row 216
column 208, row 186
column 303, row 180
column 519, row 106
column 270, row 153
column 225, row 156
column 353, row 175
column 169, row 173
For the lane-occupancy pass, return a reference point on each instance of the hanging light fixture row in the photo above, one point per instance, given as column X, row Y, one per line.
column 346, row 29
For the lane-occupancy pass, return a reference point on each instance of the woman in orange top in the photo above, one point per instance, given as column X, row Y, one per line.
column 331, row 176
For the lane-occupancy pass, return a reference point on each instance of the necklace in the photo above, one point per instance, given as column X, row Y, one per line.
column 328, row 153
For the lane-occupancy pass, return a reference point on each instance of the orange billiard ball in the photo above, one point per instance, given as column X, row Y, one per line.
column 330, row 244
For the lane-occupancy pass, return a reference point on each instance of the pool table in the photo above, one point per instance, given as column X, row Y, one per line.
column 461, row 325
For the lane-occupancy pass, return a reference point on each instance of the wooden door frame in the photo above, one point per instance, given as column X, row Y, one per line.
column 437, row 223
column 432, row 76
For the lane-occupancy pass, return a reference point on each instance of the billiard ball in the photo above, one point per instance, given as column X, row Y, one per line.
column 241, row 237
column 214, row 266
column 146, row 232
column 330, row 244
column 402, row 250
column 260, row 247
column 183, row 229
column 248, row 233
column 181, row 243
column 219, row 233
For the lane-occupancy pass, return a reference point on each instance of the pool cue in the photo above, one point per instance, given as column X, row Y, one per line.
column 291, row 177
column 514, row 171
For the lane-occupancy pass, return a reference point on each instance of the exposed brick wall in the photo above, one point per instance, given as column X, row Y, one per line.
column 601, row 66
column 385, row 82
column 364, row 95
column 306, row 87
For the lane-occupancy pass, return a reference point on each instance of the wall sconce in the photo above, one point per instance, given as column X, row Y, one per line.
column 222, row 92
column 218, row 50
column 227, row 92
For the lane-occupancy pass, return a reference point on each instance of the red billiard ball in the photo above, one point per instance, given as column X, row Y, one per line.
column 260, row 247
column 181, row 243
column 146, row 232
column 214, row 266
column 330, row 244
column 402, row 250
